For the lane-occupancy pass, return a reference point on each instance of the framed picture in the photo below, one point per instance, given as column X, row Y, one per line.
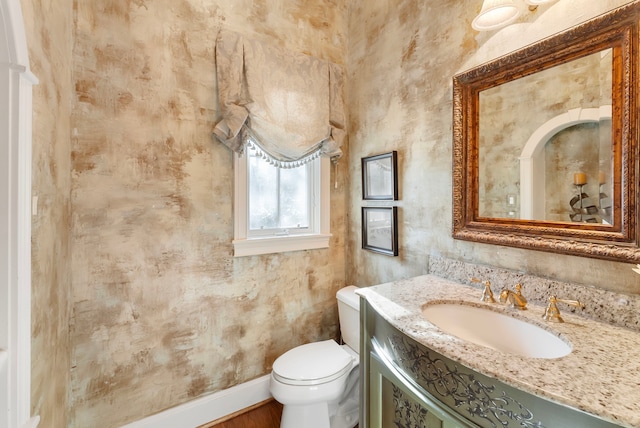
column 379, row 226
column 379, row 177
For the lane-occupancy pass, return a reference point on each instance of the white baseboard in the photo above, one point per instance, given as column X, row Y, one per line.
column 209, row 408
column 32, row 423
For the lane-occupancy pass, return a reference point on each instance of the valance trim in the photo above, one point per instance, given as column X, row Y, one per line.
column 282, row 164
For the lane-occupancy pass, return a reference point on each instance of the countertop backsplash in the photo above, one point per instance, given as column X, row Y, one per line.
column 618, row 309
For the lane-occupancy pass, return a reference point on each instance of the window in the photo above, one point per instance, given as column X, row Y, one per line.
column 280, row 209
column 280, row 200
column 294, row 109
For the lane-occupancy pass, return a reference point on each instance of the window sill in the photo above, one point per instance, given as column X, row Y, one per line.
column 279, row 244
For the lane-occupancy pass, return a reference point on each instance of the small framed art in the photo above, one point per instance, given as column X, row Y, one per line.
column 380, row 177
column 379, row 230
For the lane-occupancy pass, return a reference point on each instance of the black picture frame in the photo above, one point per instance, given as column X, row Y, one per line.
column 379, row 230
column 380, row 177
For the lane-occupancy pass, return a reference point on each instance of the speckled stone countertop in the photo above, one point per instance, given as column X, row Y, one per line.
column 600, row 376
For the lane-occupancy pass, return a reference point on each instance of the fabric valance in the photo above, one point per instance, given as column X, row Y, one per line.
column 288, row 105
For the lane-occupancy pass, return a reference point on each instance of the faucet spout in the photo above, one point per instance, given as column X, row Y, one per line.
column 515, row 298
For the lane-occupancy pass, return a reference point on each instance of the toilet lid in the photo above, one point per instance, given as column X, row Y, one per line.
column 312, row 364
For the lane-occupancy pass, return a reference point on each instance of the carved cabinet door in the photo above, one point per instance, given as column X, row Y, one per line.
column 395, row 403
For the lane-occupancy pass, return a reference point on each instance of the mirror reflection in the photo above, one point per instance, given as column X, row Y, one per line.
column 545, row 144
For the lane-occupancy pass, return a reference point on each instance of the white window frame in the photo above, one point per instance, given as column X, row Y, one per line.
column 246, row 245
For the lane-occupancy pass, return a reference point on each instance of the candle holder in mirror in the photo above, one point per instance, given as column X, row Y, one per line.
column 584, row 209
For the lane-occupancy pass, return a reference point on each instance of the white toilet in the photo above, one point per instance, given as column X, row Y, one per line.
column 317, row 383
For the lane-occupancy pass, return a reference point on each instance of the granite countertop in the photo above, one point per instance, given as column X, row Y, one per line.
column 600, row 376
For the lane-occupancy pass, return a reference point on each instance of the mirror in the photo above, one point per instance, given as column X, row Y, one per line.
column 545, row 143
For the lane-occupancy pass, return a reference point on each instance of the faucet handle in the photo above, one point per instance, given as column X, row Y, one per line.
column 518, row 288
column 487, row 294
column 552, row 313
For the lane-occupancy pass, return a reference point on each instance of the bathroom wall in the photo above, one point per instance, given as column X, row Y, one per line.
column 48, row 25
column 162, row 311
column 132, row 243
column 402, row 57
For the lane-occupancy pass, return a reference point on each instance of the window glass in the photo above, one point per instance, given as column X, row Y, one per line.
column 278, row 198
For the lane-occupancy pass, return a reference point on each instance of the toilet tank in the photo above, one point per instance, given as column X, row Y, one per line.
column 349, row 314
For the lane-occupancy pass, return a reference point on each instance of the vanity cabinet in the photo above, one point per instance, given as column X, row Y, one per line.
column 406, row 384
column 395, row 402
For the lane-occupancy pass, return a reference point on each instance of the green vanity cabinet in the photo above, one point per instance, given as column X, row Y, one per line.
column 395, row 402
column 405, row 384
column 390, row 398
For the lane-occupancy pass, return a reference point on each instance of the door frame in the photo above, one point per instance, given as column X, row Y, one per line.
column 16, row 81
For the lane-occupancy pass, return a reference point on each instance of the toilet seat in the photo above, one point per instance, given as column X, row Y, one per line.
column 312, row 364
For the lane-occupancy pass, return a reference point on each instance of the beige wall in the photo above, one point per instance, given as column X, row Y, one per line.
column 132, row 250
column 162, row 311
column 49, row 25
column 402, row 57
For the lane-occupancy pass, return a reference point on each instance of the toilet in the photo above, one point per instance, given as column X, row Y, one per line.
column 317, row 383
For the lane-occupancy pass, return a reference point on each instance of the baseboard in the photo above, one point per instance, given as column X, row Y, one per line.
column 32, row 423
column 206, row 409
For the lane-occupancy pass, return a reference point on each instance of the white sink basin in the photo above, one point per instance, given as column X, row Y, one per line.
column 495, row 330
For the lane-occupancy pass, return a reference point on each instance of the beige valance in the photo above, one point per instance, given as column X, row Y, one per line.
column 287, row 105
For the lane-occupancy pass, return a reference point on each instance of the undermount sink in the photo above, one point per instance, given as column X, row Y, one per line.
column 495, row 330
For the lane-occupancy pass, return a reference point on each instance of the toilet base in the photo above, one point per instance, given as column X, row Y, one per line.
column 308, row 416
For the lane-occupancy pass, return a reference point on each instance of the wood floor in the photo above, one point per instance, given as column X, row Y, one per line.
column 263, row 415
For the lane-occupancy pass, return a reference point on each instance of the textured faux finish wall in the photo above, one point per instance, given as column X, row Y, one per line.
column 162, row 311
column 48, row 26
column 402, row 57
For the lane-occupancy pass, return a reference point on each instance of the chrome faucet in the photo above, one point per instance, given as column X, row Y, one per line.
column 552, row 313
column 515, row 298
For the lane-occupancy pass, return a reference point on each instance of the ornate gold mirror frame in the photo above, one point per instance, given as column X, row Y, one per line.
column 616, row 30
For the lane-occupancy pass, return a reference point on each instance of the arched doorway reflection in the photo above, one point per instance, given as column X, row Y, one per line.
column 533, row 163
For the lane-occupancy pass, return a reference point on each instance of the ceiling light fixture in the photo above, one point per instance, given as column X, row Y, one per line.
column 537, row 2
column 498, row 13
column 495, row 14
